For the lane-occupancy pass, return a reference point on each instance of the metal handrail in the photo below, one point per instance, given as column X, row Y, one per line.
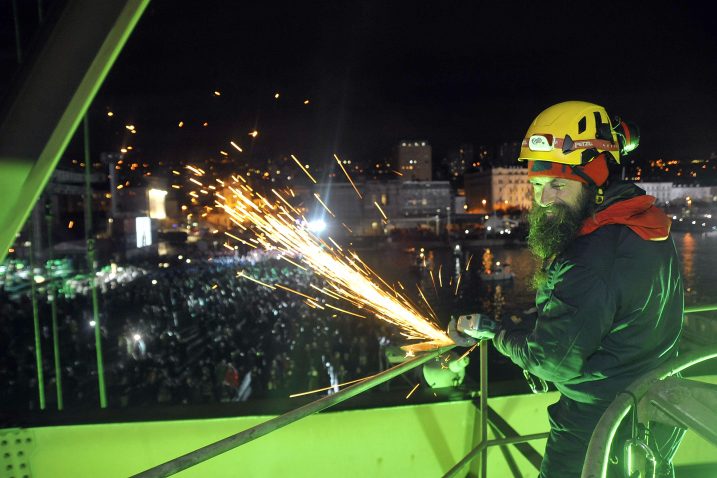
column 701, row 308
column 595, row 465
column 210, row 451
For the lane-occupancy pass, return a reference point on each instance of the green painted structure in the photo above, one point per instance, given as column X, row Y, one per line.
column 403, row 440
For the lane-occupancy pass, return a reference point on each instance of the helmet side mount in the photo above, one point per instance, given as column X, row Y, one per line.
column 628, row 135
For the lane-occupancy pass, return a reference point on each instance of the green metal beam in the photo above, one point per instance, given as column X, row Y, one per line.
column 700, row 308
column 57, row 88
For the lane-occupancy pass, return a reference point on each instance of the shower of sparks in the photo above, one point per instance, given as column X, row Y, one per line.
column 412, row 390
column 440, row 279
column 316, row 195
column 195, row 170
column 381, row 211
column 430, row 272
column 468, row 264
column 303, row 168
column 344, row 310
column 467, row 352
column 348, row 281
column 241, row 274
column 426, row 301
column 347, row 176
column 330, row 387
column 335, row 244
column 314, row 304
column 294, row 263
column 293, row 291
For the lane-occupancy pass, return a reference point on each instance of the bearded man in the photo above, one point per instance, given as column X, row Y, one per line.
column 609, row 293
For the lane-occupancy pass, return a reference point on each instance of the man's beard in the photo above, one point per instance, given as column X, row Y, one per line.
column 552, row 229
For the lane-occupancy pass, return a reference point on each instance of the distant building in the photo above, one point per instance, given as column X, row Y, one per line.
column 385, row 194
column 459, row 203
column 666, row 192
column 61, row 207
column 507, row 153
column 662, row 191
column 498, row 189
column 427, row 198
column 459, row 160
column 414, row 160
column 483, row 153
column 406, row 204
column 344, row 203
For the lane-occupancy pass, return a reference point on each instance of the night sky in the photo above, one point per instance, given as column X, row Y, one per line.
column 377, row 72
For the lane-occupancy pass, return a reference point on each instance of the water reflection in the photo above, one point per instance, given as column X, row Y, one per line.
column 445, row 265
column 451, row 278
column 698, row 257
column 687, row 255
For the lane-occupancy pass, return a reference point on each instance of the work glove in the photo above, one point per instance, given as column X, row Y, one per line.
column 470, row 328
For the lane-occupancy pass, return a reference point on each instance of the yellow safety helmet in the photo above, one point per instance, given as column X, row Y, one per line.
column 573, row 133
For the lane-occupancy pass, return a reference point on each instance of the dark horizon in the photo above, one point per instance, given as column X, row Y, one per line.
column 375, row 74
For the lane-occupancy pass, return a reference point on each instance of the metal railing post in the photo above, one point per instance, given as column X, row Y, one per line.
column 484, row 407
column 90, row 242
column 52, row 291
column 36, row 320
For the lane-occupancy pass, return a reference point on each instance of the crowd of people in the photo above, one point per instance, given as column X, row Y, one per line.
column 189, row 332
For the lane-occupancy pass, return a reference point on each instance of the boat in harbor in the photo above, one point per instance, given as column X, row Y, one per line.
column 495, row 271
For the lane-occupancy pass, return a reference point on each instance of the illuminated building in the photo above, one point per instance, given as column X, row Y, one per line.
column 406, row 204
column 666, row 192
column 498, row 189
column 414, row 160
column 459, row 160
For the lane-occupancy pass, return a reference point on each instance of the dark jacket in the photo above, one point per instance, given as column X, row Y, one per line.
column 610, row 311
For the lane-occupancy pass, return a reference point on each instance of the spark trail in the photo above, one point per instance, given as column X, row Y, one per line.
column 277, row 226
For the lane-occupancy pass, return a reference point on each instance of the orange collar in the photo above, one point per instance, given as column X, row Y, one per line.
column 638, row 213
